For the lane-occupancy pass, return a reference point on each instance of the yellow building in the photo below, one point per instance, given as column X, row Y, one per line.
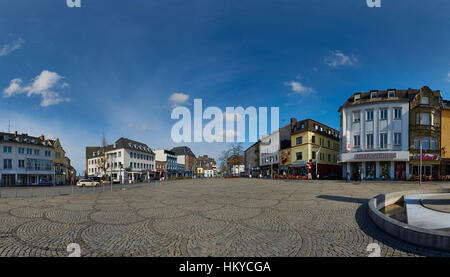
column 59, row 161
column 445, row 139
column 200, row 171
column 314, row 143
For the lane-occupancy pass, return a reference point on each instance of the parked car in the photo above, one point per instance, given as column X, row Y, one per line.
column 87, row 183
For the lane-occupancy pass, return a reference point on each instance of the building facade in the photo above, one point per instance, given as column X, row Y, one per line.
column 125, row 160
column 170, row 159
column 61, row 170
column 251, row 159
column 187, row 157
column 313, row 145
column 26, row 160
column 206, row 166
column 374, row 135
column 445, row 140
column 425, row 132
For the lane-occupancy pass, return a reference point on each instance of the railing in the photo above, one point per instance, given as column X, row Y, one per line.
column 377, row 147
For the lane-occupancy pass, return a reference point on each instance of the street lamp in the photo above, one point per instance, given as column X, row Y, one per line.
column 317, row 155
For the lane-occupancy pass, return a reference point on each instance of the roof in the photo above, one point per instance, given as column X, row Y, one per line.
column 405, row 95
column 446, row 104
column 26, row 139
column 309, row 125
column 182, row 150
column 129, row 144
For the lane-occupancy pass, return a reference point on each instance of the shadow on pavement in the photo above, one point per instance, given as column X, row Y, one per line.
column 344, row 199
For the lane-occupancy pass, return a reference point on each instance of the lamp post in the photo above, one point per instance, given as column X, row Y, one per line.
column 420, row 167
column 317, row 157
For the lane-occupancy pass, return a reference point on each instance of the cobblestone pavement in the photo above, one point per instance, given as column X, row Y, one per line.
column 219, row 217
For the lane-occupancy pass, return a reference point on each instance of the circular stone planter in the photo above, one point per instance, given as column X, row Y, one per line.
column 434, row 239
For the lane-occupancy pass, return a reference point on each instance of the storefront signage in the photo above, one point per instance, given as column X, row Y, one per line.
column 427, row 157
column 376, row 156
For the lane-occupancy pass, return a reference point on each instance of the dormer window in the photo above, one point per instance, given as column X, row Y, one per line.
column 391, row 93
column 27, row 140
column 373, row 95
column 357, row 98
column 6, row 137
column 425, row 100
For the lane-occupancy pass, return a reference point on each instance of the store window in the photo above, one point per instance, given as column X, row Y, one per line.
column 385, row 170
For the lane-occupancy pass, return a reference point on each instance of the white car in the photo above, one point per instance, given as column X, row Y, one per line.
column 87, row 183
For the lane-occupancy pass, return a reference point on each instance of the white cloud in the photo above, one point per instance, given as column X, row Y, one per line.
column 8, row 48
column 144, row 127
column 178, row 98
column 130, row 125
column 43, row 85
column 299, row 88
column 337, row 58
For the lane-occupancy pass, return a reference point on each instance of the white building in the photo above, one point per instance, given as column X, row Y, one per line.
column 269, row 153
column 124, row 160
column 26, row 160
column 374, row 135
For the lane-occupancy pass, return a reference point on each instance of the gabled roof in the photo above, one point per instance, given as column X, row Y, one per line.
column 26, row 139
column 129, row 144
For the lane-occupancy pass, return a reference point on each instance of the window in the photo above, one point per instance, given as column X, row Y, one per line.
column 373, row 95
column 329, row 144
column 313, row 139
column 425, row 143
column 36, row 152
column 369, row 115
column 425, row 119
column 432, row 143
column 425, row 100
column 391, row 93
column 7, row 149
column 370, row 141
column 357, row 98
column 356, row 141
column 7, row 164
column 356, row 117
column 398, row 138
column 383, row 114
column 299, row 156
column 58, row 155
column 29, row 151
column 383, row 140
column 21, row 150
column 313, row 155
column 329, row 157
column 397, row 113
column 21, row 163
column 299, row 140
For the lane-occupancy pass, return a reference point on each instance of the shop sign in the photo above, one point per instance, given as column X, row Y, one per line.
column 376, row 156
column 427, row 157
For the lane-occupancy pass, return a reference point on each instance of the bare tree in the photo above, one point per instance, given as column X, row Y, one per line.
column 231, row 156
column 103, row 165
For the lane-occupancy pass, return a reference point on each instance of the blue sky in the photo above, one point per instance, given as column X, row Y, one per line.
column 111, row 66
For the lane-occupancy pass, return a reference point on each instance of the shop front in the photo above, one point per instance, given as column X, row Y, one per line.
column 392, row 165
column 430, row 167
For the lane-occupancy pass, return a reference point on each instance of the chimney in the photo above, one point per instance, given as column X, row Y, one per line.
column 15, row 133
column 293, row 120
column 41, row 137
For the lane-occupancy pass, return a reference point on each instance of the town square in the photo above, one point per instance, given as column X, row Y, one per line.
column 205, row 217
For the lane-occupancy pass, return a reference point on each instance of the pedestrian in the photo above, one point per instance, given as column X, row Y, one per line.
column 359, row 175
column 348, row 177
